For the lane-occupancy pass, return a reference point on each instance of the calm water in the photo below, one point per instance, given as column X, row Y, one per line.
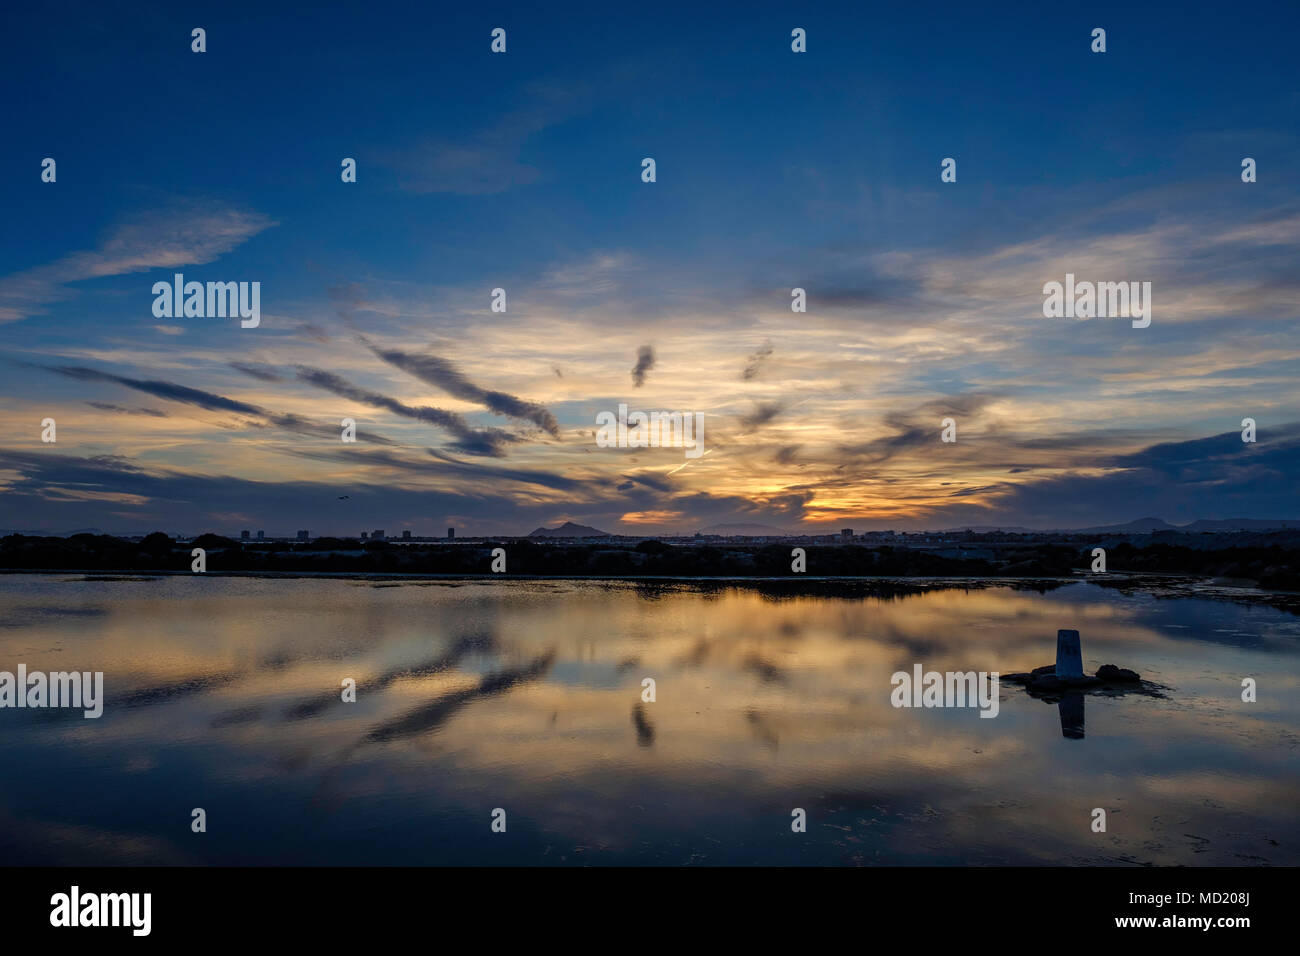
column 223, row 693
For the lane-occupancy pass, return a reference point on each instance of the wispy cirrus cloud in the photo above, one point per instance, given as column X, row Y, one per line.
column 488, row 161
column 183, row 236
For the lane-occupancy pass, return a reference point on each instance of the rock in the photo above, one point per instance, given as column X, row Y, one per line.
column 1050, row 683
column 1117, row 675
column 1046, row 678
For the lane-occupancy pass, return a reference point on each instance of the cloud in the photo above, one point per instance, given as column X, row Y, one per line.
column 210, row 401
column 919, row 427
column 600, row 274
column 470, row 440
column 763, row 413
column 645, row 361
column 184, row 236
column 488, row 161
column 163, row 389
column 476, row 474
column 482, row 167
column 442, row 374
column 755, row 362
column 262, row 373
column 648, row 480
column 349, row 299
column 108, row 407
column 519, row 499
column 1215, row 477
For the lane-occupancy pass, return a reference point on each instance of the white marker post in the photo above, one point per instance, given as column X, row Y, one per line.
column 1069, row 655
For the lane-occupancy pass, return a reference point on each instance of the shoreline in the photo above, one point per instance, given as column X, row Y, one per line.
column 1168, row 585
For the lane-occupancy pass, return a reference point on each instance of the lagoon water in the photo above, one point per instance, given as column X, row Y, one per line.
column 224, row 693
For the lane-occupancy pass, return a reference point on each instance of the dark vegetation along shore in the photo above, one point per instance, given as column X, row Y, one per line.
column 1268, row 566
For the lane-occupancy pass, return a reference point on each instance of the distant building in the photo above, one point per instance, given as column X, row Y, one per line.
column 451, row 534
column 846, row 532
column 365, row 536
column 406, row 536
column 377, row 535
column 243, row 535
column 261, row 536
column 303, row 536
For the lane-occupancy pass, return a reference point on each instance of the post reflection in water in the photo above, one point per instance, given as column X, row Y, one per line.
column 1071, row 709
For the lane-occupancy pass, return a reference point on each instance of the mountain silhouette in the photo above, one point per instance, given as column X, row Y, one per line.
column 569, row 530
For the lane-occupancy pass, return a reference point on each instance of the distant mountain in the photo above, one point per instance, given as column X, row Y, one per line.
column 569, row 530
column 1149, row 525
column 1140, row 526
column 744, row 530
column 1240, row 524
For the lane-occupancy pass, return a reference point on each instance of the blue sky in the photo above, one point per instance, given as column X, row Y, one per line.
column 774, row 170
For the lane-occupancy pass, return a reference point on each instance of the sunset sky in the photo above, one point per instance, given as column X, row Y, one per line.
column 775, row 170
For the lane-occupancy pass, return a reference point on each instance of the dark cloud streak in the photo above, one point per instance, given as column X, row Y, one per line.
column 440, row 373
column 645, row 361
column 489, row 442
column 209, row 401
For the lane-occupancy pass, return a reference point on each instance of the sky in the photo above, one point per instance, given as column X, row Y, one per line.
column 775, row 170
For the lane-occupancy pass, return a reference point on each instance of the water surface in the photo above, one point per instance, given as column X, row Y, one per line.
column 224, row 693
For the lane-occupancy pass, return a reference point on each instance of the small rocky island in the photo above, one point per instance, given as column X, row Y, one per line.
column 1065, row 684
column 1067, row 673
